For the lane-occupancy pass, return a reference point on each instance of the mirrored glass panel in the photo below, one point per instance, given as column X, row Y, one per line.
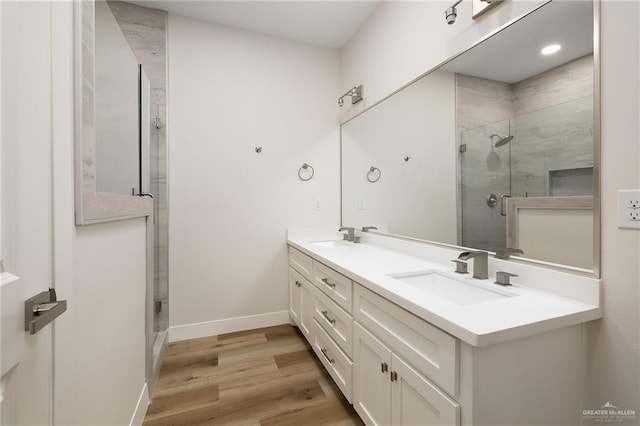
column 116, row 107
column 494, row 149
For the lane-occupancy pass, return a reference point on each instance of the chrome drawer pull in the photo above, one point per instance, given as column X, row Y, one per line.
column 393, row 376
column 325, row 314
column 324, row 352
column 298, row 284
column 329, row 283
column 384, row 367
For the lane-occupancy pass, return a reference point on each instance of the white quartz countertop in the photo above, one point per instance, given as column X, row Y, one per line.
column 526, row 312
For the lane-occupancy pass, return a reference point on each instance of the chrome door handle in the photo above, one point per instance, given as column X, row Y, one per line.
column 502, row 203
column 325, row 314
column 329, row 283
column 324, row 352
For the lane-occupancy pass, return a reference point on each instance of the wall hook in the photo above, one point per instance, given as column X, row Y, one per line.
column 258, row 149
column 407, row 158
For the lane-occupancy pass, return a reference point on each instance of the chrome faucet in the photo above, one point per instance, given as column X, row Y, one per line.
column 480, row 263
column 350, row 235
column 506, row 253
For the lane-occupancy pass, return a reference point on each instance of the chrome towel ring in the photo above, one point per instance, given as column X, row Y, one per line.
column 374, row 174
column 305, row 172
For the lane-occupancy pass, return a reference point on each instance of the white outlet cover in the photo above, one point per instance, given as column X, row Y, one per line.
column 628, row 199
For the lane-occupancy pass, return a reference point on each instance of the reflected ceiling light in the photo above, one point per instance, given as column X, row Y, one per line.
column 550, row 49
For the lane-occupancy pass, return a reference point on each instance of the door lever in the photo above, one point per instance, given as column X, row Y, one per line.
column 42, row 309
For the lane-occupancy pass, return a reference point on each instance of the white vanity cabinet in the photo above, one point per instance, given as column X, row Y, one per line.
column 397, row 368
column 323, row 311
column 300, row 302
column 387, row 390
column 301, row 293
column 402, row 366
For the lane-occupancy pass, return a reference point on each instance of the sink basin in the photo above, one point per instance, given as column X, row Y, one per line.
column 448, row 288
column 330, row 243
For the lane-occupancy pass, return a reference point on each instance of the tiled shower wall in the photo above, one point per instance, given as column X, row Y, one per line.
column 145, row 30
column 552, row 129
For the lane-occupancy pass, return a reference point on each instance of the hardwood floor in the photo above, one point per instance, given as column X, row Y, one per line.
column 267, row 376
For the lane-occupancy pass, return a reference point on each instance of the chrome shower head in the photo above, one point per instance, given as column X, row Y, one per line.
column 502, row 140
column 451, row 14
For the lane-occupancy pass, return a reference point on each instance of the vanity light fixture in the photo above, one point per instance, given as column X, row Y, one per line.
column 451, row 13
column 479, row 7
column 551, row 49
column 356, row 93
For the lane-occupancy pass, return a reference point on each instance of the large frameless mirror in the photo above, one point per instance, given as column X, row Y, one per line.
column 497, row 148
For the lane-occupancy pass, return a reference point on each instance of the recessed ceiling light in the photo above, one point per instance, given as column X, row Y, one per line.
column 550, row 49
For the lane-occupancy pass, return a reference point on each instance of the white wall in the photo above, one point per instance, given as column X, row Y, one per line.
column 231, row 91
column 402, row 40
column 415, row 197
column 614, row 351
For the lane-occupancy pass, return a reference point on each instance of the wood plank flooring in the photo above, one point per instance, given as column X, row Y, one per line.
column 268, row 376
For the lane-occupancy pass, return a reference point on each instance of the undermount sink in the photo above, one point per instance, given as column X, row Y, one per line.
column 448, row 288
column 330, row 243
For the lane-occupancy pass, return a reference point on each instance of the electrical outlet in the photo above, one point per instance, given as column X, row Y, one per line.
column 629, row 209
column 361, row 204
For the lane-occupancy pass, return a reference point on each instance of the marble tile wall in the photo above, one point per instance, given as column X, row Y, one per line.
column 553, row 126
column 146, row 31
column 551, row 118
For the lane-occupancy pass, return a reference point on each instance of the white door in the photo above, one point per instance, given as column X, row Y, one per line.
column 417, row 401
column 26, row 208
column 295, row 302
column 371, row 380
column 306, row 308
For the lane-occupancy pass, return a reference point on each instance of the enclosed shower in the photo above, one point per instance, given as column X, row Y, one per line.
column 543, row 153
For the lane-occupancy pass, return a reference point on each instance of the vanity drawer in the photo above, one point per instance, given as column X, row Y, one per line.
column 334, row 320
column 339, row 366
column 338, row 287
column 429, row 349
column 301, row 263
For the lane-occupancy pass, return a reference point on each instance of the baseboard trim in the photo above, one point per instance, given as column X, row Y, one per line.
column 229, row 325
column 141, row 408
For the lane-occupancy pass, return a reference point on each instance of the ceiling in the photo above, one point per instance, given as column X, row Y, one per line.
column 325, row 23
column 513, row 54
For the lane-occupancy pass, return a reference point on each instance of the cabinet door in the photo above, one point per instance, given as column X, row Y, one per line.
column 295, row 301
column 372, row 387
column 417, row 401
column 306, row 308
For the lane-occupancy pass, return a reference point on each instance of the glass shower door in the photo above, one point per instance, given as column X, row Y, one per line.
column 485, row 178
